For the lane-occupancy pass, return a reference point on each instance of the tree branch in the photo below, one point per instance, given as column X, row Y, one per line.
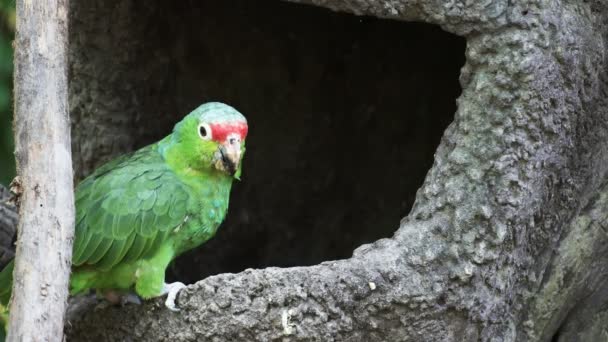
column 43, row 155
column 572, row 298
column 352, row 298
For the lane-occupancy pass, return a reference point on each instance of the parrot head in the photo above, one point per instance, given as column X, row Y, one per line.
column 210, row 138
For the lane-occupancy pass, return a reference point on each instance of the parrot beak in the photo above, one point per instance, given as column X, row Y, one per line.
column 229, row 155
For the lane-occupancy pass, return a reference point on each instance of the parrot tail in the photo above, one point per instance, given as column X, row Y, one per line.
column 6, row 288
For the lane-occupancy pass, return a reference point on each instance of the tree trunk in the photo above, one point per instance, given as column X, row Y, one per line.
column 506, row 239
column 43, row 155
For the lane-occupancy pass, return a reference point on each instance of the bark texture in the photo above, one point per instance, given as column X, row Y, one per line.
column 43, row 155
column 506, row 240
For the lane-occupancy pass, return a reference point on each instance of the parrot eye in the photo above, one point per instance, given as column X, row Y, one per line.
column 204, row 131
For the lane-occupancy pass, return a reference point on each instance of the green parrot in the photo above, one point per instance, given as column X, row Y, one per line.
column 136, row 213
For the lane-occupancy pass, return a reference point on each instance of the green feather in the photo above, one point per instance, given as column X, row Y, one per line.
column 150, row 242
column 100, row 251
column 158, row 240
column 164, row 221
column 123, row 226
column 80, row 244
column 136, row 249
column 147, row 227
column 90, row 247
column 94, row 216
column 148, row 203
column 112, row 255
column 126, row 248
column 145, row 194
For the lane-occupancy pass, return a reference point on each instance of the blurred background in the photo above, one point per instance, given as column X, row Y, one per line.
column 7, row 30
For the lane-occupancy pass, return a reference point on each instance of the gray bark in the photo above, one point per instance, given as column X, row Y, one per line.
column 361, row 300
column 43, row 155
column 506, row 240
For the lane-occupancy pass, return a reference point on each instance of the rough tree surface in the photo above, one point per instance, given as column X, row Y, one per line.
column 42, row 152
column 506, row 239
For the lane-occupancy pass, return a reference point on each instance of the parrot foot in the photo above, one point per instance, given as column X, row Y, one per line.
column 171, row 290
column 116, row 297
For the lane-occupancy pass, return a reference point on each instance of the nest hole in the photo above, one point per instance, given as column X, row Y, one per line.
column 345, row 114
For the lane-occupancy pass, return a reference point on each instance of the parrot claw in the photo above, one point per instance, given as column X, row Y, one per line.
column 130, row 298
column 115, row 297
column 172, row 290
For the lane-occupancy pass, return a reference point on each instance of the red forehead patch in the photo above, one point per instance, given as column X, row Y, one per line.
column 220, row 131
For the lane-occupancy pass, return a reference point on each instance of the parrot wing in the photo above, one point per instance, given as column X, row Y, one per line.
column 126, row 210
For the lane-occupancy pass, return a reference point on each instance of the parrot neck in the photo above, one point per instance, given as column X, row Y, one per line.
column 184, row 168
column 212, row 193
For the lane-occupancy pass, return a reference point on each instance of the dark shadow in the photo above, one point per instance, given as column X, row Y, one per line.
column 345, row 114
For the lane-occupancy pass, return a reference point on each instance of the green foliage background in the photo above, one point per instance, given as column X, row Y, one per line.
column 7, row 31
